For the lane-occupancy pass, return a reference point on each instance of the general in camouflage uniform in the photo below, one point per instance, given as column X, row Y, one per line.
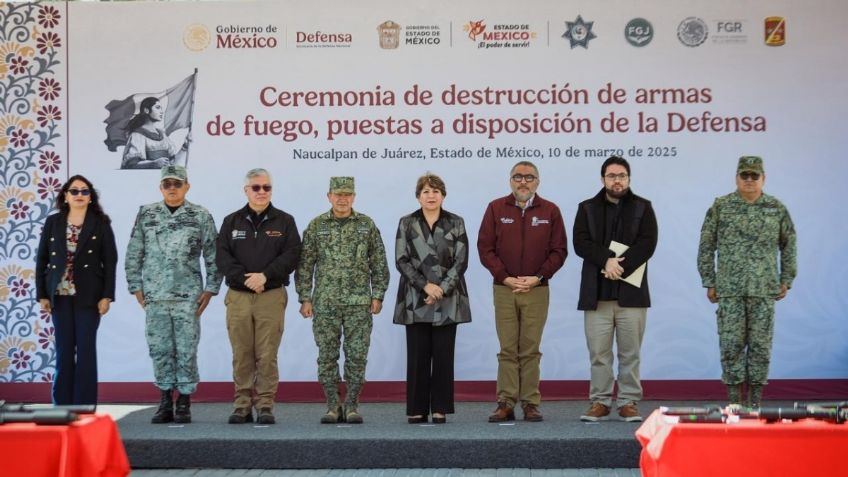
column 163, row 272
column 743, row 233
column 341, row 280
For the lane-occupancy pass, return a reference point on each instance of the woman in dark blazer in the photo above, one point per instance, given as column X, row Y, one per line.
column 431, row 253
column 75, row 282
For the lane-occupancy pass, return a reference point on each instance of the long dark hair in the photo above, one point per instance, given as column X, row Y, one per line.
column 94, row 205
column 139, row 119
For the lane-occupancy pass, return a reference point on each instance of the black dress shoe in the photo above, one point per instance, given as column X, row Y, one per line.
column 440, row 419
column 417, row 419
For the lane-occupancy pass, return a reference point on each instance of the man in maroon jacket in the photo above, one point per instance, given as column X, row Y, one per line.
column 522, row 242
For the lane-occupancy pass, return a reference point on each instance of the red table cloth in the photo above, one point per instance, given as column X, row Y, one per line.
column 88, row 447
column 748, row 448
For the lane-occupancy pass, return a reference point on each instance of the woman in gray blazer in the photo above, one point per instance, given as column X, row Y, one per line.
column 431, row 254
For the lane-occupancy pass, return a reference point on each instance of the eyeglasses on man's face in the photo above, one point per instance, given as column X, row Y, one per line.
column 749, row 176
column 257, row 187
column 172, row 184
column 528, row 178
column 82, row 192
column 616, row 177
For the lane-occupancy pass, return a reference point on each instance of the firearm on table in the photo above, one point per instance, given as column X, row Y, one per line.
column 46, row 415
column 835, row 412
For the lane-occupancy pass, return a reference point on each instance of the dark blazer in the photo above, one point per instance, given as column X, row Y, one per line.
column 637, row 229
column 94, row 262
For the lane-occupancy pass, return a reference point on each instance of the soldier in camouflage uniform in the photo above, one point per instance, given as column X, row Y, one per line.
column 163, row 272
column 341, row 280
column 746, row 229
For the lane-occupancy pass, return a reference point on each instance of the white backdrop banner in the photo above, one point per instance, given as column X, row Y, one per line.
column 385, row 91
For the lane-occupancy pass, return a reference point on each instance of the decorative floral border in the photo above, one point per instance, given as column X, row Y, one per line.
column 31, row 173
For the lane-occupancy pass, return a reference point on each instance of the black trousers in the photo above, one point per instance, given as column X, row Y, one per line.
column 76, row 351
column 429, row 368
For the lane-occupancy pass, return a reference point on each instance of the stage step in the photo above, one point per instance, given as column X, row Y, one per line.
column 385, row 440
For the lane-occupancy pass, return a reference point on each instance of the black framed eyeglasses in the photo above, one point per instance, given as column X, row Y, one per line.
column 749, row 176
column 172, row 184
column 528, row 178
column 257, row 187
column 82, row 192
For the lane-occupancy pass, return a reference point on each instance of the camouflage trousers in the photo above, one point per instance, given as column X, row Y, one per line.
column 745, row 331
column 173, row 332
column 330, row 324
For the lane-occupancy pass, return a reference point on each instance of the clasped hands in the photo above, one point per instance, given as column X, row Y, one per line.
column 613, row 270
column 434, row 293
column 522, row 284
column 255, row 281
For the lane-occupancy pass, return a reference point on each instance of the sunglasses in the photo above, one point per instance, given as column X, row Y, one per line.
column 749, row 176
column 257, row 187
column 82, row 192
column 171, row 184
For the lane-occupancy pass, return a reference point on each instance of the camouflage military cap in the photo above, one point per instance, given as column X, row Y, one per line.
column 174, row 172
column 341, row 185
column 750, row 164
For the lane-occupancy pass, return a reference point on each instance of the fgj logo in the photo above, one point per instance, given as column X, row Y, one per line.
column 775, row 31
column 638, row 32
column 578, row 32
column 692, row 31
column 196, row 37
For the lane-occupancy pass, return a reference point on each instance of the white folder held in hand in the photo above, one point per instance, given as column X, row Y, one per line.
column 634, row 278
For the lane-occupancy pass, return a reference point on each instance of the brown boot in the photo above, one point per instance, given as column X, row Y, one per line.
column 503, row 413
column 531, row 413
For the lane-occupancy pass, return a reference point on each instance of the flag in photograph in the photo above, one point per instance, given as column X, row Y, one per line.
column 176, row 100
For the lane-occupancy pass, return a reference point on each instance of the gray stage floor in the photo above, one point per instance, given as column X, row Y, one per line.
column 384, row 444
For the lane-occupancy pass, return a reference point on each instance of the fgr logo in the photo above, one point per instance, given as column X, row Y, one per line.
column 692, row 31
column 729, row 32
column 196, row 37
column 638, row 32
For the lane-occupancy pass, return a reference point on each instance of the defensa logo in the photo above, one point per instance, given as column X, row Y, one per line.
column 245, row 36
column 319, row 39
column 692, row 32
column 638, row 32
column 196, row 37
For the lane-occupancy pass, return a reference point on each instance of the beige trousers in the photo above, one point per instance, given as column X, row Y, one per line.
column 255, row 326
column 520, row 319
column 628, row 326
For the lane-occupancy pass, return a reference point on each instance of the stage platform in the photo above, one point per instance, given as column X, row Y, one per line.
column 385, row 440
